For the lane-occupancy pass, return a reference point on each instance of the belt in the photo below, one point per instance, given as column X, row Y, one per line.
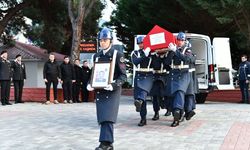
column 191, row 70
column 180, row 66
column 161, row 71
column 145, row 70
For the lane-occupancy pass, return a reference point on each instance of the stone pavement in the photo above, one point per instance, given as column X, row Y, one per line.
column 33, row 126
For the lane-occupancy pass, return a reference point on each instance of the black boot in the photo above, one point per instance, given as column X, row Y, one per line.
column 177, row 115
column 156, row 116
column 104, row 146
column 138, row 104
column 189, row 115
column 142, row 122
column 168, row 113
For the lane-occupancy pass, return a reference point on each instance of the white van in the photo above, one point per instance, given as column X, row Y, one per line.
column 213, row 64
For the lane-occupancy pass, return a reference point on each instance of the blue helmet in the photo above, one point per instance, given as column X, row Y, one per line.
column 181, row 36
column 139, row 39
column 105, row 33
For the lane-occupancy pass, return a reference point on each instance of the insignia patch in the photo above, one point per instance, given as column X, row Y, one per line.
column 122, row 59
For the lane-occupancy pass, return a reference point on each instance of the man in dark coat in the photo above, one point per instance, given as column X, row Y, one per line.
column 77, row 85
column 19, row 76
column 244, row 77
column 5, row 77
column 51, row 75
column 86, row 72
column 107, row 99
column 67, row 78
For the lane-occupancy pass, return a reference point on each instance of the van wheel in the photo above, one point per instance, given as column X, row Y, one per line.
column 201, row 98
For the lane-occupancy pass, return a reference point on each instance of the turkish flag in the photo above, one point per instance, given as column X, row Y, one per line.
column 158, row 38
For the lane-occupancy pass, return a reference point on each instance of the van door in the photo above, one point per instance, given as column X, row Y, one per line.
column 223, row 63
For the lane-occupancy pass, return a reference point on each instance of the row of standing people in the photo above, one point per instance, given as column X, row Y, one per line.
column 73, row 78
column 11, row 71
column 166, row 75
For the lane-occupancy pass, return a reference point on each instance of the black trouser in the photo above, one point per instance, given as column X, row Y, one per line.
column 244, row 91
column 67, row 89
column 18, row 86
column 5, row 91
column 85, row 92
column 48, row 84
column 76, row 91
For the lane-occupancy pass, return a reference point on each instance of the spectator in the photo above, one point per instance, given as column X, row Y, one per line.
column 19, row 76
column 51, row 74
column 244, row 75
column 5, row 77
column 68, row 77
column 86, row 72
column 78, row 83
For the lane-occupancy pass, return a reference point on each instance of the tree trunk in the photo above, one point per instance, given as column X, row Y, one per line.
column 77, row 21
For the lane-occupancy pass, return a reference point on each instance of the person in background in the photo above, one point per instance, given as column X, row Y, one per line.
column 244, row 77
column 78, row 77
column 86, row 72
column 19, row 76
column 68, row 77
column 51, row 75
column 5, row 78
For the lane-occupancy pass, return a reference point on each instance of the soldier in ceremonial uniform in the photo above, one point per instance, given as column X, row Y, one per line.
column 244, row 77
column 5, row 77
column 107, row 99
column 159, row 81
column 180, row 76
column 19, row 76
column 143, row 79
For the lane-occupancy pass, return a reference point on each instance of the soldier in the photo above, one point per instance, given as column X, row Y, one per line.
column 51, row 75
column 190, row 103
column 143, row 79
column 107, row 99
column 244, row 77
column 5, row 77
column 67, row 78
column 86, row 72
column 19, row 76
column 77, row 85
column 159, row 81
column 180, row 77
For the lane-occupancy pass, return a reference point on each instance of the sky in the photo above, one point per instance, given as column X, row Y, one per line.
column 106, row 13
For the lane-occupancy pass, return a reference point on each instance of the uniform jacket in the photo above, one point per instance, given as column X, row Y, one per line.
column 67, row 71
column 78, row 73
column 107, row 102
column 51, row 70
column 86, row 73
column 180, row 78
column 244, row 71
column 159, row 79
column 5, row 69
column 19, row 71
column 142, row 80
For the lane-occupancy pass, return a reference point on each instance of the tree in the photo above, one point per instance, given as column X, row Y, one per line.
column 78, row 11
column 11, row 17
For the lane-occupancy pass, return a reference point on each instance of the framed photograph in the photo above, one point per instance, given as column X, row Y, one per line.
column 100, row 75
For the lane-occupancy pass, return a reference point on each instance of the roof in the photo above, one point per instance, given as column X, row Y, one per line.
column 29, row 52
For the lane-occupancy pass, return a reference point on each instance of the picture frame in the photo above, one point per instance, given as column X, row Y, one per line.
column 101, row 73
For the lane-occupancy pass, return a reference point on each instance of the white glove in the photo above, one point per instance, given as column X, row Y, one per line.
column 109, row 87
column 172, row 47
column 147, row 51
column 89, row 88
